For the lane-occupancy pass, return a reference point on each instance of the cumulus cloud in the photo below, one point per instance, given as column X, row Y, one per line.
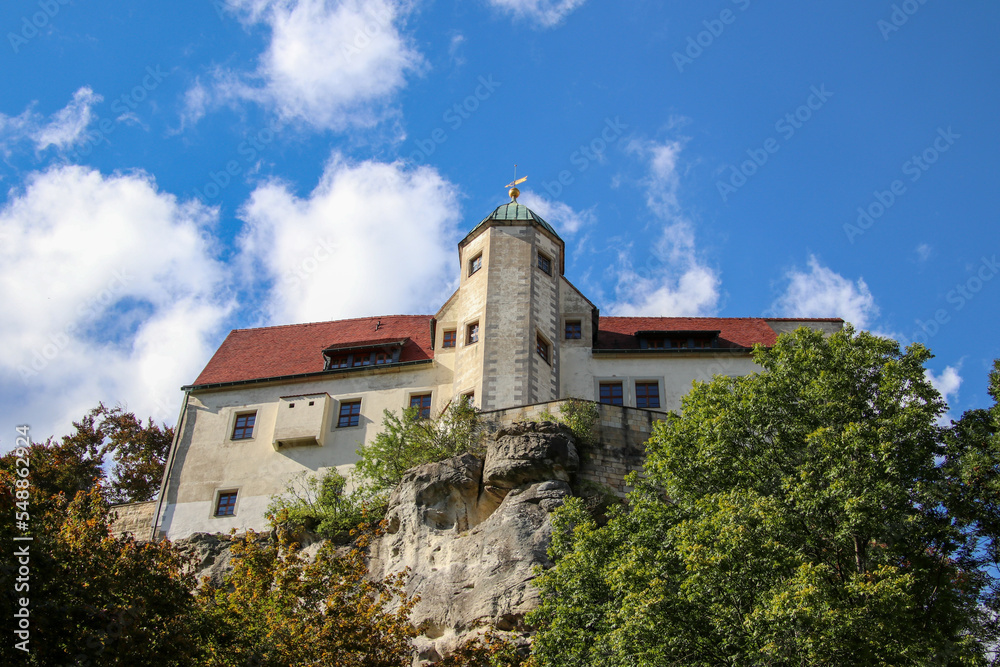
column 371, row 238
column 547, row 13
column 111, row 293
column 330, row 64
column 674, row 280
column 947, row 383
column 566, row 220
column 64, row 129
column 821, row 292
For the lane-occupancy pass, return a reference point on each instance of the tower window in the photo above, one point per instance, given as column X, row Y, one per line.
column 545, row 263
column 472, row 334
column 542, row 348
column 243, row 426
column 350, row 414
column 449, row 338
column 647, row 395
column 574, row 330
column 475, row 263
column 611, row 393
column 423, row 403
column 226, row 504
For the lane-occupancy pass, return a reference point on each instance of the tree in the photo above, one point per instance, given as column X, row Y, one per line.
column 796, row 516
column 409, row 440
column 94, row 599
column 279, row 609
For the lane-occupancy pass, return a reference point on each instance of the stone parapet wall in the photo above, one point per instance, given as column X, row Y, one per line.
column 621, row 437
column 134, row 518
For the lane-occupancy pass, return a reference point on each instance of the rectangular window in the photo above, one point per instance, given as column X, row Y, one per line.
column 545, row 263
column 472, row 334
column 611, row 393
column 350, row 414
column 647, row 395
column 542, row 348
column 574, row 330
column 423, row 403
column 226, row 505
column 339, row 361
column 469, row 397
column 475, row 263
column 362, row 360
column 383, row 358
column 243, row 426
column 653, row 343
column 449, row 338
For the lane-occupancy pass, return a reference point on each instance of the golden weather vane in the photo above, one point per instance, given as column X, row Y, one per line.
column 512, row 186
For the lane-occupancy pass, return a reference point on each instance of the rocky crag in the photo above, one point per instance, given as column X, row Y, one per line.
column 470, row 531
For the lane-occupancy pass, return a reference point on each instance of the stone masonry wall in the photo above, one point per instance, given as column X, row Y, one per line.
column 134, row 518
column 621, row 439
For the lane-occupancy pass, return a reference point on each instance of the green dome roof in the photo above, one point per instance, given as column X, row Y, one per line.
column 512, row 211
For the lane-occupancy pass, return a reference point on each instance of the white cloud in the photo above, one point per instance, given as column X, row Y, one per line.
column 923, row 252
column 64, row 129
column 371, row 238
column 68, row 125
column 674, row 281
column 547, row 13
column 329, row 63
column 821, row 292
column 561, row 216
column 111, row 293
column 947, row 383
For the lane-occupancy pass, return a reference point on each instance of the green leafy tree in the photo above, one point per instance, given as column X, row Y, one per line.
column 408, row 440
column 797, row 516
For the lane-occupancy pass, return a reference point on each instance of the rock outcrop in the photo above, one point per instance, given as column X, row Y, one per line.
column 472, row 531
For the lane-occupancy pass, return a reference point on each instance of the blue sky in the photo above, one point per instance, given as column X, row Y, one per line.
column 174, row 170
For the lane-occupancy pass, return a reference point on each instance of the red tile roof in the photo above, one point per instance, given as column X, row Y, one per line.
column 618, row 333
column 271, row 352
column 296, row 349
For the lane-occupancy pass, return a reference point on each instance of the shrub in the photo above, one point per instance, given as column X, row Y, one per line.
column 407, row 441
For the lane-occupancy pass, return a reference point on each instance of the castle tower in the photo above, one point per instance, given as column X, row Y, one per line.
column 503, row 323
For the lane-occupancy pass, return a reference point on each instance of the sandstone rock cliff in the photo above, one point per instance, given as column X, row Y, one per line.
column 471, row 531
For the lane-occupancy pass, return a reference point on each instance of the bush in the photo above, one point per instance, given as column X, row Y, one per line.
column 582, row 418
column 320, row 503
column 409, row 441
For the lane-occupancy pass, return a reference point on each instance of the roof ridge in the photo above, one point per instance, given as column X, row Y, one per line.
column 307, row 324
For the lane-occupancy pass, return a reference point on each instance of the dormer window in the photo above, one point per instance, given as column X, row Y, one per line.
column 362, row 354
column 678, row 340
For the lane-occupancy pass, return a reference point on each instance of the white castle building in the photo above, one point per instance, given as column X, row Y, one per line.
column 275, row 402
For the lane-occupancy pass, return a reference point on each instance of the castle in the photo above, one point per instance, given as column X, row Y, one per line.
column 275, row 402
